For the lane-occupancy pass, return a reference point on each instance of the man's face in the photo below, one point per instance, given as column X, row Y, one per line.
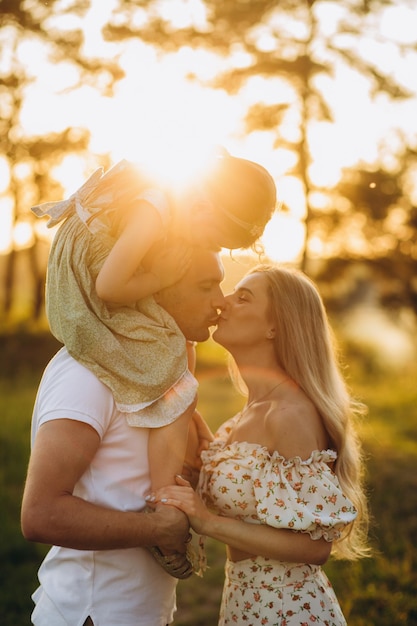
column 196, row 300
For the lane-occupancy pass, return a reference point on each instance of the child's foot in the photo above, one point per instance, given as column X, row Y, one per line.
column 177, row 564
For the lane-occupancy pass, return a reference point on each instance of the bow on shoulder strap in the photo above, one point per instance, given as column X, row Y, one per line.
column 58, row 211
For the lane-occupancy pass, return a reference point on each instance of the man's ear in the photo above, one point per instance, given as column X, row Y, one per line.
column 271, row 333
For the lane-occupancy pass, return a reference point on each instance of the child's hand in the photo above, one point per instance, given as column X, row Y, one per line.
column 171, row 265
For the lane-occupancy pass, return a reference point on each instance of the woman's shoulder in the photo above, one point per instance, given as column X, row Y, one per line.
column 224, row 430
column 294, row 427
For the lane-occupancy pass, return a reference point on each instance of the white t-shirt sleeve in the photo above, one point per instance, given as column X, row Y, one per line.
column 68, row 390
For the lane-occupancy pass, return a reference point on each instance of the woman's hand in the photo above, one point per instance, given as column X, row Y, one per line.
column 247, row 539
column 205, row 436
column 183, row 497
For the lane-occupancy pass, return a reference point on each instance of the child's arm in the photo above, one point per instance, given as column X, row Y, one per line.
column 119, row 279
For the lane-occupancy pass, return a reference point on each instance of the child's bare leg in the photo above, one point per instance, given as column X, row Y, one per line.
column 166, row 451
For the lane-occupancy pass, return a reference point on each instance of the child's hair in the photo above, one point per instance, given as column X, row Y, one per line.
column 244, row 193
column 241, row 194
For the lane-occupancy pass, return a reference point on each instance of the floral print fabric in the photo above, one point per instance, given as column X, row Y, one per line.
column 245, row 481
column 263, row 591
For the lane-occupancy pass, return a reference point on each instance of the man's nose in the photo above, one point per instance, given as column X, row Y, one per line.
column 219, row 302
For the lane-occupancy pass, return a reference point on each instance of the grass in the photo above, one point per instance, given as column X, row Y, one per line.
column 19, row 559
column 379, row 591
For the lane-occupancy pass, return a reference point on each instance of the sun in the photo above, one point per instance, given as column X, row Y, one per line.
column 159, row 117
column 284, row 237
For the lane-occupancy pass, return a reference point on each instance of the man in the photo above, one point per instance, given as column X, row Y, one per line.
column 87, row 479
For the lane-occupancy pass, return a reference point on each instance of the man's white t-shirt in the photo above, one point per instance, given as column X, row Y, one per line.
column 114, row 587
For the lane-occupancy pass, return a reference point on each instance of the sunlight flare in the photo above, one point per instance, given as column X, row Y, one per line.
column 283, row 239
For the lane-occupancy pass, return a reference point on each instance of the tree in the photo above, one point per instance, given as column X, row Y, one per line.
column 29, row 158
column 372, row 226
column 287, row 43
column 295, row 49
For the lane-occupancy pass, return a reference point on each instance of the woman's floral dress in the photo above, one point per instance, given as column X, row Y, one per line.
column 243, row 480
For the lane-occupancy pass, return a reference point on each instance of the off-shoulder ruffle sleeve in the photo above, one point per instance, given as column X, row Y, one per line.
column 302, row 495
column 244, row 480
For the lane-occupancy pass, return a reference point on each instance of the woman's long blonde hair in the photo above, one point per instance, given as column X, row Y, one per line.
column 305, row 349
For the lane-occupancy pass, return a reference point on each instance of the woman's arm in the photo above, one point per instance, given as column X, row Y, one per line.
column 255, row 539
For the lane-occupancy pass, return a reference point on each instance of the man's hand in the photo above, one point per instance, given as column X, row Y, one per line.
column 170, row 265
column 171, row 529
column 199, row 437
column 52, row 514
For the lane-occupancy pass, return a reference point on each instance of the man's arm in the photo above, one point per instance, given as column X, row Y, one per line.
column 51, row 514
column 199, row 438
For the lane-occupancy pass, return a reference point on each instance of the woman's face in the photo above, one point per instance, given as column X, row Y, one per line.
column 246, row 320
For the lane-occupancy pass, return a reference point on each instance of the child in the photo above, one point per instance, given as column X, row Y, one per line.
column 99, row 295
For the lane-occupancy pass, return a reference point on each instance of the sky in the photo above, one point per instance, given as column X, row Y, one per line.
column 158, row 116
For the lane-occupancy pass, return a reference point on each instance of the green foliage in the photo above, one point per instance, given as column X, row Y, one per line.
column 303, row 58
column 19, row 559
column 373, row 222
column 379, row 590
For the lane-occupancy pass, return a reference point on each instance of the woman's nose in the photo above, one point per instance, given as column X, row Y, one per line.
column 226, row 303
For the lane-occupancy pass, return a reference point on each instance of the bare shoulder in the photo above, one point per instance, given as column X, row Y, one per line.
column 294, row 426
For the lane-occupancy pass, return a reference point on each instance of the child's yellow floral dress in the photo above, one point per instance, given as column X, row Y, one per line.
column 136, row 349
column 243, row 480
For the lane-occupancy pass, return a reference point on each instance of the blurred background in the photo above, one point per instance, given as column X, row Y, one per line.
column 323, row 94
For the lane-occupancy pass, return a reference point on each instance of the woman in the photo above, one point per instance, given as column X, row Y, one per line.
column 284, row 476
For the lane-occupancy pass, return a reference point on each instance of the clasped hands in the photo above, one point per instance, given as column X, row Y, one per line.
column 182, row 494
column 183, row 497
